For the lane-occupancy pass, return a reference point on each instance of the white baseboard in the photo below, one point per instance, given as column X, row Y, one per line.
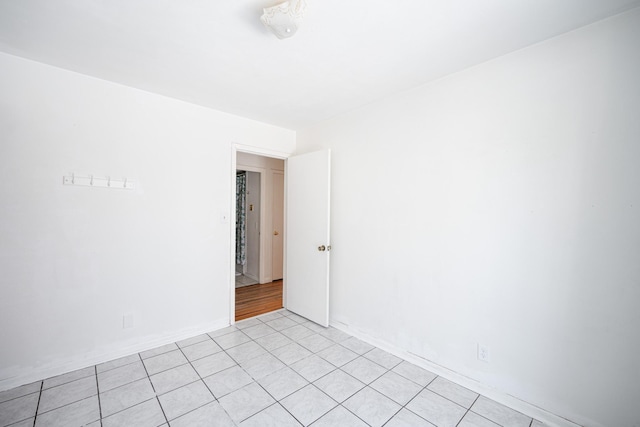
column 519, row 405
column 28, row 375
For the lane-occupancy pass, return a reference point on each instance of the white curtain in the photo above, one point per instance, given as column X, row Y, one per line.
column 241, row 218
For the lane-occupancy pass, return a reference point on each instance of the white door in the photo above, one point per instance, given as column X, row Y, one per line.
column 277, row 243
column 307, row 236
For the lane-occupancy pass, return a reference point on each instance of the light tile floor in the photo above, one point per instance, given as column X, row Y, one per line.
column 274, row 370
column 243, row 280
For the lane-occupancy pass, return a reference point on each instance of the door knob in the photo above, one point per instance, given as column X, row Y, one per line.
column 275, row 233
column 322, row 248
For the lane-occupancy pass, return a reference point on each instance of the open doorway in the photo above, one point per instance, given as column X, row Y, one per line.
column 259, row 235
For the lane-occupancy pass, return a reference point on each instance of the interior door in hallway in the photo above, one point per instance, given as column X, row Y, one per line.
column 277, row 241
column 307, row 235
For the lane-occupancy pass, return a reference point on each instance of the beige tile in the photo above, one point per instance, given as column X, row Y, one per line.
column 273, row 416
column 227, row 381
column 210, row 414
column 339, row 385
column 18, row 409
column 414, row 373
column 20, row 391
column 245, row 402
column 124, row 397
column 372, row 407
column 118, row 362
column 308, row 404
column 76, row 414
column 145, row 414
column 396, row 388
column 436, row 409
column 500, row 414
column 185, row 399
column 164, row 361
column 64, row 394
column 172, row 379
column 68, row 377
column 452, row 391
column 120, row 376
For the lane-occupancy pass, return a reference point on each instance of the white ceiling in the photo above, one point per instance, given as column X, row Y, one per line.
column 348, row 53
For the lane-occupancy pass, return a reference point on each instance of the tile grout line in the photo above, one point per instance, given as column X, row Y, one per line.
column 147, row 374
column 387, row 370
column 42, row 390
column 336, row 368
column 452, row 401
column 215, row 399
column 98, row 391
column 123, row 385
column 35, row 416
column 62, row 406
column 153, row 388
column 356, row 415
column 258, row 322
column 311, row 383
column 401, row 406
column 276, row 401
column 127, row 408
column 162, row 409
column 256, row 381
column 468, row 409
column 394, row 414
column 119, row 366
column 410, row 400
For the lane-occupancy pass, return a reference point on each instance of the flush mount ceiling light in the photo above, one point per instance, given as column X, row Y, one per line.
column 284, row 18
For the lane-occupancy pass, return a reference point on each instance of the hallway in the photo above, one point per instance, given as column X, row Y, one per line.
column 258, row 299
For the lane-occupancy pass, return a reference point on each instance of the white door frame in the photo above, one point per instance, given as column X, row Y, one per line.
column 232, row 228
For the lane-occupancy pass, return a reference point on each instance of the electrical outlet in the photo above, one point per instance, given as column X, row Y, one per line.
column 127, row 321
column 483, row 353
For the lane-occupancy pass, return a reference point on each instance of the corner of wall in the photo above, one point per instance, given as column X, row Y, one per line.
column 26, row 375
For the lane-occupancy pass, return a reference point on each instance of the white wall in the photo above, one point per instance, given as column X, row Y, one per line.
column 500, row 205
column 74, row 260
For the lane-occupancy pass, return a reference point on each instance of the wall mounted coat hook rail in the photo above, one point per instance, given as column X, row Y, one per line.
column 94, row 181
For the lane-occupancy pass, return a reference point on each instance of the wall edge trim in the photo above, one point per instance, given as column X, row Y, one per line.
column 526, row 408
column 27, row 375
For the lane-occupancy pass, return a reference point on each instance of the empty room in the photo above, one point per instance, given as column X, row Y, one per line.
column 320, row 213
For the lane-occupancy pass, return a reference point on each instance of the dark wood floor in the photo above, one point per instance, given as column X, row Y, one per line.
column 258, row 299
